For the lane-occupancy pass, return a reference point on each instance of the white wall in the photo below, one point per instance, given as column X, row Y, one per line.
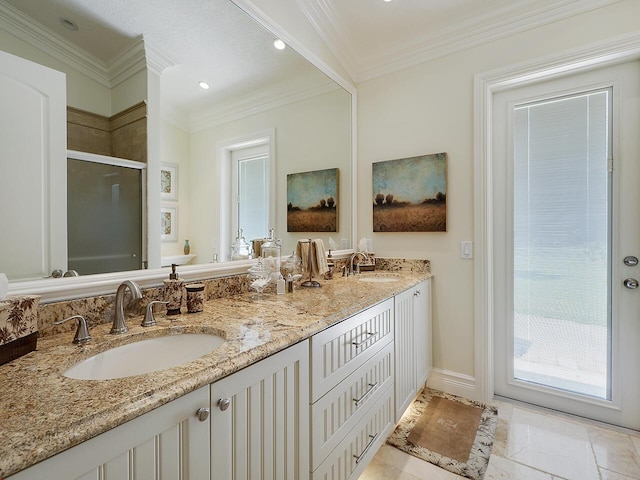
column 82, row 92
column 175, row 149
column 310, row 135
column 429, row 109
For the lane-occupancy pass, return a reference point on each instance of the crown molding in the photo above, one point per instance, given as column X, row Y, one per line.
column 130, row 61
column 509, row 20
column 127, row 63
column 262, row 101
column 333, row 33
column 25, row 28
column 175, row 117
column 156, row 60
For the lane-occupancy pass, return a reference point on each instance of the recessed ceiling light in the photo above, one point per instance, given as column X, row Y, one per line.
column 387, row 1
column 204, row 85
column 68, row 24
column 279, row 44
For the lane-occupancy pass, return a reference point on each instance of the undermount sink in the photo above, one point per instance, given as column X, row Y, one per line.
column 144, row 356
column 380, row 279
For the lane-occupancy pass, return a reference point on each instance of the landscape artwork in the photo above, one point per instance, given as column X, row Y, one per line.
column 312, row 201
column 410, row 194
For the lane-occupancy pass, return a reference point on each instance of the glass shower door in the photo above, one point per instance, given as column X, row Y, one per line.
column 104, row 217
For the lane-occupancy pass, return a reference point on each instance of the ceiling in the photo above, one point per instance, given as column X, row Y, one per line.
column 200, row 40
column 371, row 38
column 213, row 40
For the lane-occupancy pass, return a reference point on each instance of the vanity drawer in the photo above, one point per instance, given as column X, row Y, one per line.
column 337, row 412
column 349, row 459
column 339, row 350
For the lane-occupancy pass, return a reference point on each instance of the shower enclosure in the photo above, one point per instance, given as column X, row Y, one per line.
column 105, row 214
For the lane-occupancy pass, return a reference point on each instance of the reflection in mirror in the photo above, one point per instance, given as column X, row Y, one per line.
column 124, row 53
column 104, row 214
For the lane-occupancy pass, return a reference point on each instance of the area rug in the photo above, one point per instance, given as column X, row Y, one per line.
column 448, row 431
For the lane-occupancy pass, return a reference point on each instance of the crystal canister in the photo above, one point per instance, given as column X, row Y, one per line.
column 173, row 295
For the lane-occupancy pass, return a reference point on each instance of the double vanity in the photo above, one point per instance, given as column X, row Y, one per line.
column 302, row 385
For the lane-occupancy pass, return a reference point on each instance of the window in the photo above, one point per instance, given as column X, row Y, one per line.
column 250, row 194
column 247, row 189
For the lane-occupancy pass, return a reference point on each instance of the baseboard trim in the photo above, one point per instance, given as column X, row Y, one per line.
column 454, row 383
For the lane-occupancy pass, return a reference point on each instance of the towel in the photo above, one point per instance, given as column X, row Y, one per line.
column 320, row 257
column 319, row 264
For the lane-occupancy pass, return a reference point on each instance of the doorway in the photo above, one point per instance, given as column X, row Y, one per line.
column 565, row 199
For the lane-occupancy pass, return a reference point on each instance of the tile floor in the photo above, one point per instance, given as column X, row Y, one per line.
column 532, row 444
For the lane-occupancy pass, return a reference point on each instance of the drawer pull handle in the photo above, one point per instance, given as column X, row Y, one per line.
column 369, row 335
column 372, row 386
column 366, row 449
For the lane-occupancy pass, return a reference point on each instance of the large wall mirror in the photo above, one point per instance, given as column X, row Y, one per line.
column 140, row 65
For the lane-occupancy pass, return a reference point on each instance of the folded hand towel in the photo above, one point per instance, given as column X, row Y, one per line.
column 302, row 251
column 319, row 264
column 320, row 258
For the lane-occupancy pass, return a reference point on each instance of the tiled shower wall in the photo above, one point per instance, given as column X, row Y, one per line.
column 124, row 135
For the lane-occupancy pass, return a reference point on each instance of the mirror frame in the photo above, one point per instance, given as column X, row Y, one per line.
column 60, row 289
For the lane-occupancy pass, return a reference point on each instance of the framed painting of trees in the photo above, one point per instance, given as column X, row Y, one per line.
column 410, row 194
column 312, row 201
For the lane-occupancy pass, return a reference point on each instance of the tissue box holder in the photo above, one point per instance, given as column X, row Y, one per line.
column 18, row 326
column 370, row 266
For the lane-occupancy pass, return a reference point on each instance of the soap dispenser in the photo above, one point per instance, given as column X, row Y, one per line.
column 173, row 292
column 331, row 265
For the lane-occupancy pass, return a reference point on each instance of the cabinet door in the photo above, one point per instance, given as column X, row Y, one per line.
column 168, row 442
column 260, row 419
column 405, row 364
column 422, row 324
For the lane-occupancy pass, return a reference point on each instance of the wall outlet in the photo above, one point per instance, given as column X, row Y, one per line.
column 466, row 249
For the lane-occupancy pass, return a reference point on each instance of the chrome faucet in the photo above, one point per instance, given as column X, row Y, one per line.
column 363, row 255
column 82, row 335
column 119, row 324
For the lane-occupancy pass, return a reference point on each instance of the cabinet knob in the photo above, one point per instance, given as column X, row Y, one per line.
column 203, row 413
column 224, row 403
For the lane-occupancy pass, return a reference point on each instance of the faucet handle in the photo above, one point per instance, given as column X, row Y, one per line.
column 149, row 318
column 82, row 332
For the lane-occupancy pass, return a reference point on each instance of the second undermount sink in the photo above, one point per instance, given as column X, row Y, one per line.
column 144, row 356
column 379, row 279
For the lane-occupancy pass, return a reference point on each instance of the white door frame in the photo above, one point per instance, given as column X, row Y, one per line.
column 609, row 52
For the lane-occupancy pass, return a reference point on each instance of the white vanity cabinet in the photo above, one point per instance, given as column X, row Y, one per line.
column 318, row 409
column 260, row 419
column 168, row 442
column 412, row 344
column 351, row 392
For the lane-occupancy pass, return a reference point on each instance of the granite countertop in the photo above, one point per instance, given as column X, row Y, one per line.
column 44, row 413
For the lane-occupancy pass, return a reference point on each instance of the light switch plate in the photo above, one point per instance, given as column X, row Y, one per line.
column 466, row 249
